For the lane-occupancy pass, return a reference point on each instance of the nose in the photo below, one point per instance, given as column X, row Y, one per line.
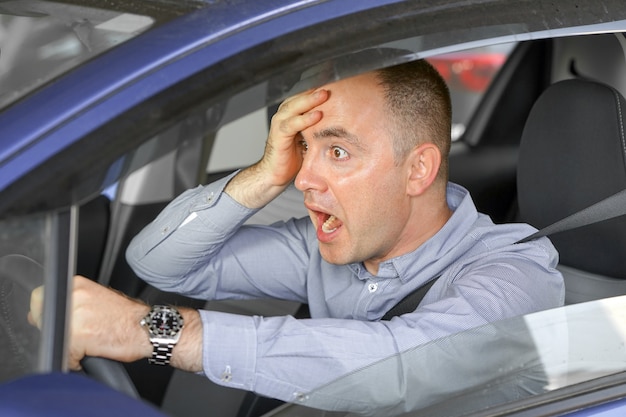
column 308, row 177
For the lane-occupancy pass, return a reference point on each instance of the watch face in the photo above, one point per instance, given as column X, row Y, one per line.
column 165, row 321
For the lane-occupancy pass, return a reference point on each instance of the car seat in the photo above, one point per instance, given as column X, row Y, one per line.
column 572, row 155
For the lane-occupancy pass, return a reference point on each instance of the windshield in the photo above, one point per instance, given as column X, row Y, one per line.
column 41, row 40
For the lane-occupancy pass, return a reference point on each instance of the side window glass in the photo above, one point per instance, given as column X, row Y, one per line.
column 34, row 252
column 22, row 257
column 468, row 74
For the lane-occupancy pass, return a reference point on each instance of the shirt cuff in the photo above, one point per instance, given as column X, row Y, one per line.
column 229, row 349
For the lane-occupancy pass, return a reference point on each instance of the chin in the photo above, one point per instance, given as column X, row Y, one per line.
column 335, row 258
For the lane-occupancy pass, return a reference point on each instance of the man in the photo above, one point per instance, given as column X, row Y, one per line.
column 370, row 155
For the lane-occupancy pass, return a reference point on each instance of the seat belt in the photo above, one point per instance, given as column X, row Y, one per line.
column 609, row 208
column 409, row 303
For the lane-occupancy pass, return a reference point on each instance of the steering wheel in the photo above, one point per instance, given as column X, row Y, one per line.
column 110, row 373
column 19, row 276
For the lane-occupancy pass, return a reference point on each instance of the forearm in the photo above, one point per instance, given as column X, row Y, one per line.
column 134, row 343
column 106, row 323
column 252, row 188
column 189, row 231
column 243, row 352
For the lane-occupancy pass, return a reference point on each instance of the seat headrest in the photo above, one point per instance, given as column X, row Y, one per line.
column 572, row 155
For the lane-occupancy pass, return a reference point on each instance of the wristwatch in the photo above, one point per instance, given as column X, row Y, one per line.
column 164, row 325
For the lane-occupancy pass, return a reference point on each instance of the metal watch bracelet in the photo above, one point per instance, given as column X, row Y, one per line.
column 161, row 354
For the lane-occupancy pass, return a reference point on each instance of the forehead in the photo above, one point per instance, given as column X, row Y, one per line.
column 359, row 91
column 355, row 107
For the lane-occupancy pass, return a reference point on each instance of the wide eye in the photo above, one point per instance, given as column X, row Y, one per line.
column 339, row 153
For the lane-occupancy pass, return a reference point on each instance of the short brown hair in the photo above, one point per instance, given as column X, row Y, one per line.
column 420, row 106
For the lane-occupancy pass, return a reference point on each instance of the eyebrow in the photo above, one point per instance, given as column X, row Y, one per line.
column 339, row 132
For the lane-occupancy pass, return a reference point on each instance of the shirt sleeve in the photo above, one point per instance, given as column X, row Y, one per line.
column 198, row 246
column 290, row 359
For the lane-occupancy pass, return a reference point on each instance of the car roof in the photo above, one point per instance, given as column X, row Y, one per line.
column 76, row 129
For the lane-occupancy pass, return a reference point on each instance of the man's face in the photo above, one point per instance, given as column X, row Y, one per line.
column 355, row 193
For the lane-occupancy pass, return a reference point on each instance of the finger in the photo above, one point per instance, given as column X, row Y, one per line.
column 36, row 307
column 291, row 126
column 74, row 363
column 301, row 104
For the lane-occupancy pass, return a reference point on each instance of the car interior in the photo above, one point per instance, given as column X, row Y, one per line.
column 572, row 156
column 521, row 157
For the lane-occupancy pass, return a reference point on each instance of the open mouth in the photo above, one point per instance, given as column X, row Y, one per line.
column 331, row 224
column 328, row 222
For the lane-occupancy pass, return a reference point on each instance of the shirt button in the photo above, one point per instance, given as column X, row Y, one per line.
column 165, row 230
column 227, row 375
column 372, row 287
column 300, row 397
column 209, row 198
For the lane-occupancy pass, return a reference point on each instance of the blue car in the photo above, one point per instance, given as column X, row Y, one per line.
column 109, row 110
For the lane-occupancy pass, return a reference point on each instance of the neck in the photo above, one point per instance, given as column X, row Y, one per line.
column 426, row 219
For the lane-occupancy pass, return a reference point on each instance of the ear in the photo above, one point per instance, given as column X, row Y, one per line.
column 423, row 164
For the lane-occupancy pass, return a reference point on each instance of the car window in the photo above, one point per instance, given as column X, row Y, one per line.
column 489, row 366
column 41, row 41
column 468, row 74
column 29, row 258
column 125, row 132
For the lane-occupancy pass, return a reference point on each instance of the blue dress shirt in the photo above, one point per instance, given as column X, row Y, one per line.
column 198, row 246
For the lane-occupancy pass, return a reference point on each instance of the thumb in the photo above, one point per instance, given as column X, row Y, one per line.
column 35, row 315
